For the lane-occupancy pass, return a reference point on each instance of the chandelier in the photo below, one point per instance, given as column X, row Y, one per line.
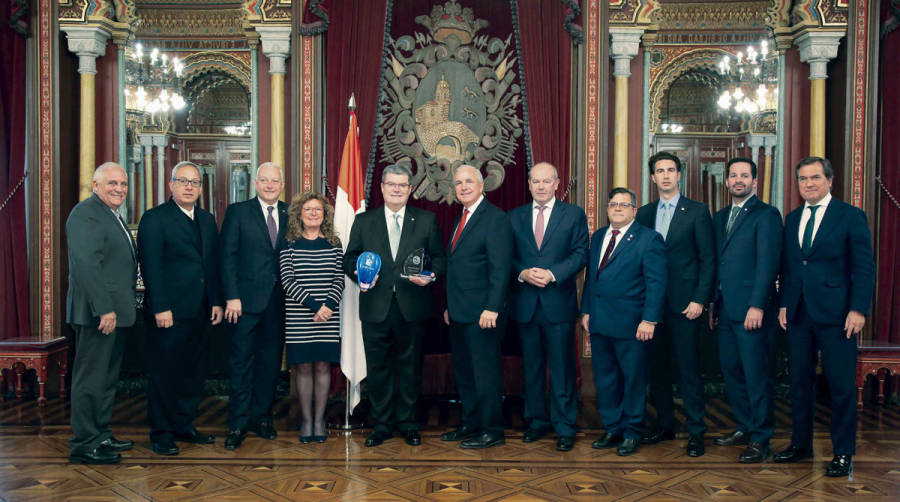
column 749, row 82
column 152, row 82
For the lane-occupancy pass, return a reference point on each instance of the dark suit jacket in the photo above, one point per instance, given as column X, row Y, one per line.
column 563, row 251
column 179, row 271
column 370, row 233
column 249, row 262
column 838, row 274
column 748, row 258
column 478, row 269
column 102, row 266
column 631, row 286
column 690, row 250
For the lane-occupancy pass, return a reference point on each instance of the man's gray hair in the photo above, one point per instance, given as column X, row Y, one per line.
column 182, row 164
column 477, row 172
column 102, row 169
column 555, row 172
column 397, row 169
column 269, row 164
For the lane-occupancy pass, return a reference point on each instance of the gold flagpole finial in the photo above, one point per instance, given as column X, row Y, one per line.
column 352, row 104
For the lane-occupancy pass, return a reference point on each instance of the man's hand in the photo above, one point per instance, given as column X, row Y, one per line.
column 585, row 322
column 782, row 317
column 164, row 319
column 419, row 280
column 216, row 316
column 488, row 319
column 754, row 319
column 370, row 285
column 854, row 323
column 107, row 323
column 693, row 310
column 446, row 317
column 645, row 331
column 536, row 276
column 233, row 310
column 324, row 313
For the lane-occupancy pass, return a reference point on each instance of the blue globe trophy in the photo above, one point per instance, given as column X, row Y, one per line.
column 367, row 267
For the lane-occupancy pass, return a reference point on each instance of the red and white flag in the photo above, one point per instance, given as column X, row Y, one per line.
column 350, row 201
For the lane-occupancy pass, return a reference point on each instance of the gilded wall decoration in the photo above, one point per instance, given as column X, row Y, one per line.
column 675, row 62
column 633, row 11
column 730, row 16
column 191, row 22
column 821, row 12
column 235, row 64
column 268, row 10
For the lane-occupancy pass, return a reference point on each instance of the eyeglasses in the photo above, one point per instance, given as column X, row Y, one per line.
column 185, row 182
column 313, row 210
column 624, row 205
column 391, row 185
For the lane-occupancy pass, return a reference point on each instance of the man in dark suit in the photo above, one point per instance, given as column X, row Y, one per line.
column 686, row 227
column 254, row 303
column 478, row 272
column 178, row 243
column 100, row 302
column 622, row 303
column 827, row 276
column 394, row 310
column 551, row 249
column 748, row 252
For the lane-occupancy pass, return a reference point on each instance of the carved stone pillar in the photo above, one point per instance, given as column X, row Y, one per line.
column 276, row 45
column 624, row 44
column 817, row 48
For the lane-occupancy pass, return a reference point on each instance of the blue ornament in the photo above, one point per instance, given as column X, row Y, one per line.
column 367, row 267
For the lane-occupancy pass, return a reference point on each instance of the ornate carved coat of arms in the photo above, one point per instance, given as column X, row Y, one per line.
column 450, row 96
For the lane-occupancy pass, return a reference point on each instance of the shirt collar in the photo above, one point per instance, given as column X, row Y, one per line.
column 822, row 203
column 388, row 213
column 673, row 201
column 549, row 205
column 475, row 205
column 190, row 214
column 743, row 203
column 266, row 206
column 623, row 229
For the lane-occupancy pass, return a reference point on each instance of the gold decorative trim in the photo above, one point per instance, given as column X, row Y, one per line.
column 730, row 16
column 191, row 23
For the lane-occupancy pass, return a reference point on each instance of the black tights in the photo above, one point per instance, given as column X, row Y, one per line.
column 304, row 374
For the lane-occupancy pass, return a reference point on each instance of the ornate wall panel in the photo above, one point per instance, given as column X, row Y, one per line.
column 731, row 16
column 861, row 84
column 632, row 11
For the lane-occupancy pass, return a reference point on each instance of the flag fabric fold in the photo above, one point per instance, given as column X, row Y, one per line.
column 350, row 201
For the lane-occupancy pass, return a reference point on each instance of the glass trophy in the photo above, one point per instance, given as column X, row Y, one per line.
column 417, row 264
column 367, row 267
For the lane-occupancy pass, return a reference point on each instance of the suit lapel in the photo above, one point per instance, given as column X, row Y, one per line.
column 381, row 229
column 555, row 217
column 742, row 216
column 120, row 225
column 260, row 220
column 470, row 222
column 282, row 219
column 525, row 221
column 829, row 221
column 679, row 215
column 409, row 227
column 625, row 241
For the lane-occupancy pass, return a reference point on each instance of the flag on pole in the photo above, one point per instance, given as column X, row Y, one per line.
column 350, row 201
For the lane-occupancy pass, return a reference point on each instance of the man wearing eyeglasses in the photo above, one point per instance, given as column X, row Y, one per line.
column 254, row 304
column 394, row 310
column 624, row 288
column 178, row 245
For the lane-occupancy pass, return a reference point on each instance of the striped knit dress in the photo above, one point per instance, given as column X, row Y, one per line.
column 311, row 275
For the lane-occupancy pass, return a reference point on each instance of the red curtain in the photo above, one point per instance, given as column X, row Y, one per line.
column 13, row 245
column 888, row 315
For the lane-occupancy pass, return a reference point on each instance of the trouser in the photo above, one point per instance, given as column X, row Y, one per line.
column 476, row 369
column 98, row 359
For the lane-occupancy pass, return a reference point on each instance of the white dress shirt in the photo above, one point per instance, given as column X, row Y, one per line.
column 265, row 210
column 389, row 218
column 548, row 208
column 804, row 218
column 608, row 236
column 190, row 214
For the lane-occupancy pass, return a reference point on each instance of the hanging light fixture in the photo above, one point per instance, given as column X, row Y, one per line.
column 152, row 82
column 749, row 81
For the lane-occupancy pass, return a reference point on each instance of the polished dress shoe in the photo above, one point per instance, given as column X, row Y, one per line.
column 657, row 435
column 265, row 430
column 532, row 435
column 485, row 440
column 792, row 454
column 755, row 453
column 306, row 439
column 412, row 438
column 609, row 440
column 839, row 466
column 113, row 444
column 234, row 439
column 196, row 437
column 377, row 437
column 736, row 438
column 695, row 447
column 164, row 447
column 98, row 455
column 459, row 434
column 628, row 447
column 565, row 443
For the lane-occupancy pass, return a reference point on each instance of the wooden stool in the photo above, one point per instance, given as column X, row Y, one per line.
column 875, row 358
column 27, row 352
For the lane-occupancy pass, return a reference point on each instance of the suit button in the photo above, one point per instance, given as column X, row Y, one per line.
column 723, row 263
column 804, row 262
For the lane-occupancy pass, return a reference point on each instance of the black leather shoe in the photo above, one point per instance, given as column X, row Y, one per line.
column 196, row 437
column 165, row 447
column 628, row 447
column 265, row 430
column 695, row 447
column 755, row 453
column 792, row 454
column 657, row 435
column 485, row 440
column 234, row 439
column 609, row 440
column 460, row 434
column 565, row 443
column 532, row 435
column 113, row 444
column 839, row 466
column 736, row 438
column 377, row 437
column 98, row 455
column 412, row 438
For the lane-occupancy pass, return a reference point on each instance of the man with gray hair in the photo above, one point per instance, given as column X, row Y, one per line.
column 100, row 302
column 394, row 310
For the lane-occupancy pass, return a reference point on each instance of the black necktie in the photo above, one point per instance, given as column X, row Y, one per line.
column 808, row 232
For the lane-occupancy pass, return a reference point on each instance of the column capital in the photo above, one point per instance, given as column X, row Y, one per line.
column 276, row 45
column 817, row 48
column 624, row 45
column 89, row 43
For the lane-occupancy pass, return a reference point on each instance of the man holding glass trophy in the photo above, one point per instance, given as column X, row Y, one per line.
column 394, row 308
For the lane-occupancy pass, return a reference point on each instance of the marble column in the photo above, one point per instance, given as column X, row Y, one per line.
column 816, row 49
column 276, row 45
column 624, row 44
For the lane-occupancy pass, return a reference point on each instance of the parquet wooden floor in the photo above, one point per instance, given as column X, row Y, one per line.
column 34, row 446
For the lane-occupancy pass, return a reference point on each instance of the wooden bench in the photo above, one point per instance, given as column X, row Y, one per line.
column 879, row 359
column 31, row 352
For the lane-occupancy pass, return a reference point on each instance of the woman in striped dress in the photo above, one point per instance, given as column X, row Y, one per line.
column 312, row 278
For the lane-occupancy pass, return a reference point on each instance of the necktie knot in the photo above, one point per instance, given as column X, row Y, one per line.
column 812, row 210
column 270, row 209
column 615, row 233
